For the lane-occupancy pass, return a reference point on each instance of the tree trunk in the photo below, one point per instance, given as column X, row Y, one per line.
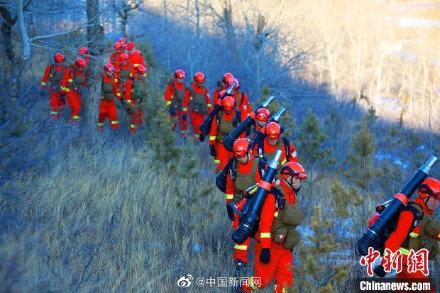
column 95, row 41
column 230, row 32
column 6, row 29
column 18, row 69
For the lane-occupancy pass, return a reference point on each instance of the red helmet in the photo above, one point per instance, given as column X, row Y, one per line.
column 80, row 62
column 179, row 73
column 117, row 46
column 141, row 68
column 199, row 77
column 429, row 187
column 83, row 50
column 262, row 115
column 58, row 58
column 240, row 147
column 273, row 130
column 109, row 67
column 293, row 169
column 227, row 77
column 129, row 46
column 228, row 103
column 122, row 41
column 123, row 57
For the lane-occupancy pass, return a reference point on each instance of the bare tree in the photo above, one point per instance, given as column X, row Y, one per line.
column 124, row 8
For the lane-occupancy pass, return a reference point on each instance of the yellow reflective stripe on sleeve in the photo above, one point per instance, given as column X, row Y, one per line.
column 240, row 247
column 183, row 131
column 404, row 251
column 132, row 125
column 212, row 137
column 283, row 162
column 54, row 112
column 184, row 109
column 414, row 235
column 119, row 94
column 76, row 117
column 168, row 103
column 229, row 196
column 43, row 83
column 116, row 80
column 275, row 214
column 114, row 122
column 128, row 101
column 252, row 284
column 136, row 65
column 209, row 105
column 217, row 161
column 438, row 236
column 100, row 124
column 264, row 235
column 70, row 80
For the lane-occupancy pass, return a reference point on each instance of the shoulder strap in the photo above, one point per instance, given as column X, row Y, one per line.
column 286, row 146
column 237, row 118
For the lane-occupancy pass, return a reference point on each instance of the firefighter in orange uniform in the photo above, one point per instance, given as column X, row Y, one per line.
column 225, row 121
column 73, row 81
column 198, row 102
column 115, row 56
column 135, row 57
column 84, row 54
column 53, row 75
column 241, row 99
column 135, row 93
column 241, row 181
column 273, row 141
column 221, row 86
column 416, row 228
column 276, row 236
column 175, row 93
column 107, row 106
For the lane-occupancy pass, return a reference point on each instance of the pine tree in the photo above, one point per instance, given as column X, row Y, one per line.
column 360, row 170
column 345, row 199
column 311, row 139
column 310, row 273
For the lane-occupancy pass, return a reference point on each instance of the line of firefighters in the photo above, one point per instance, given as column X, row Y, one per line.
column 243, row 165
column 123, row 78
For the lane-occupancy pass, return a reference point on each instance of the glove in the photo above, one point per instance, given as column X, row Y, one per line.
column 230, row 210
column 201, row 137
column 212, row 150
column 380, row 271
column 265, row 255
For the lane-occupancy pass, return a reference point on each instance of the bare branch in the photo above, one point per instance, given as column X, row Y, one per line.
column 60, row 34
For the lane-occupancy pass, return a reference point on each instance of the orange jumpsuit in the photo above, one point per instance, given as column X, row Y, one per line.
column 54, row 74
column 221, row 126
column 280, row 264
column 400, row 234
column 86, row 58
column 136, row 59
column 133, row 98
column 73, row 80
column 115, row 58
column 175, row 93
column 199, row 104
column 248, row 174
column 107, row 106
column 264, row 148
